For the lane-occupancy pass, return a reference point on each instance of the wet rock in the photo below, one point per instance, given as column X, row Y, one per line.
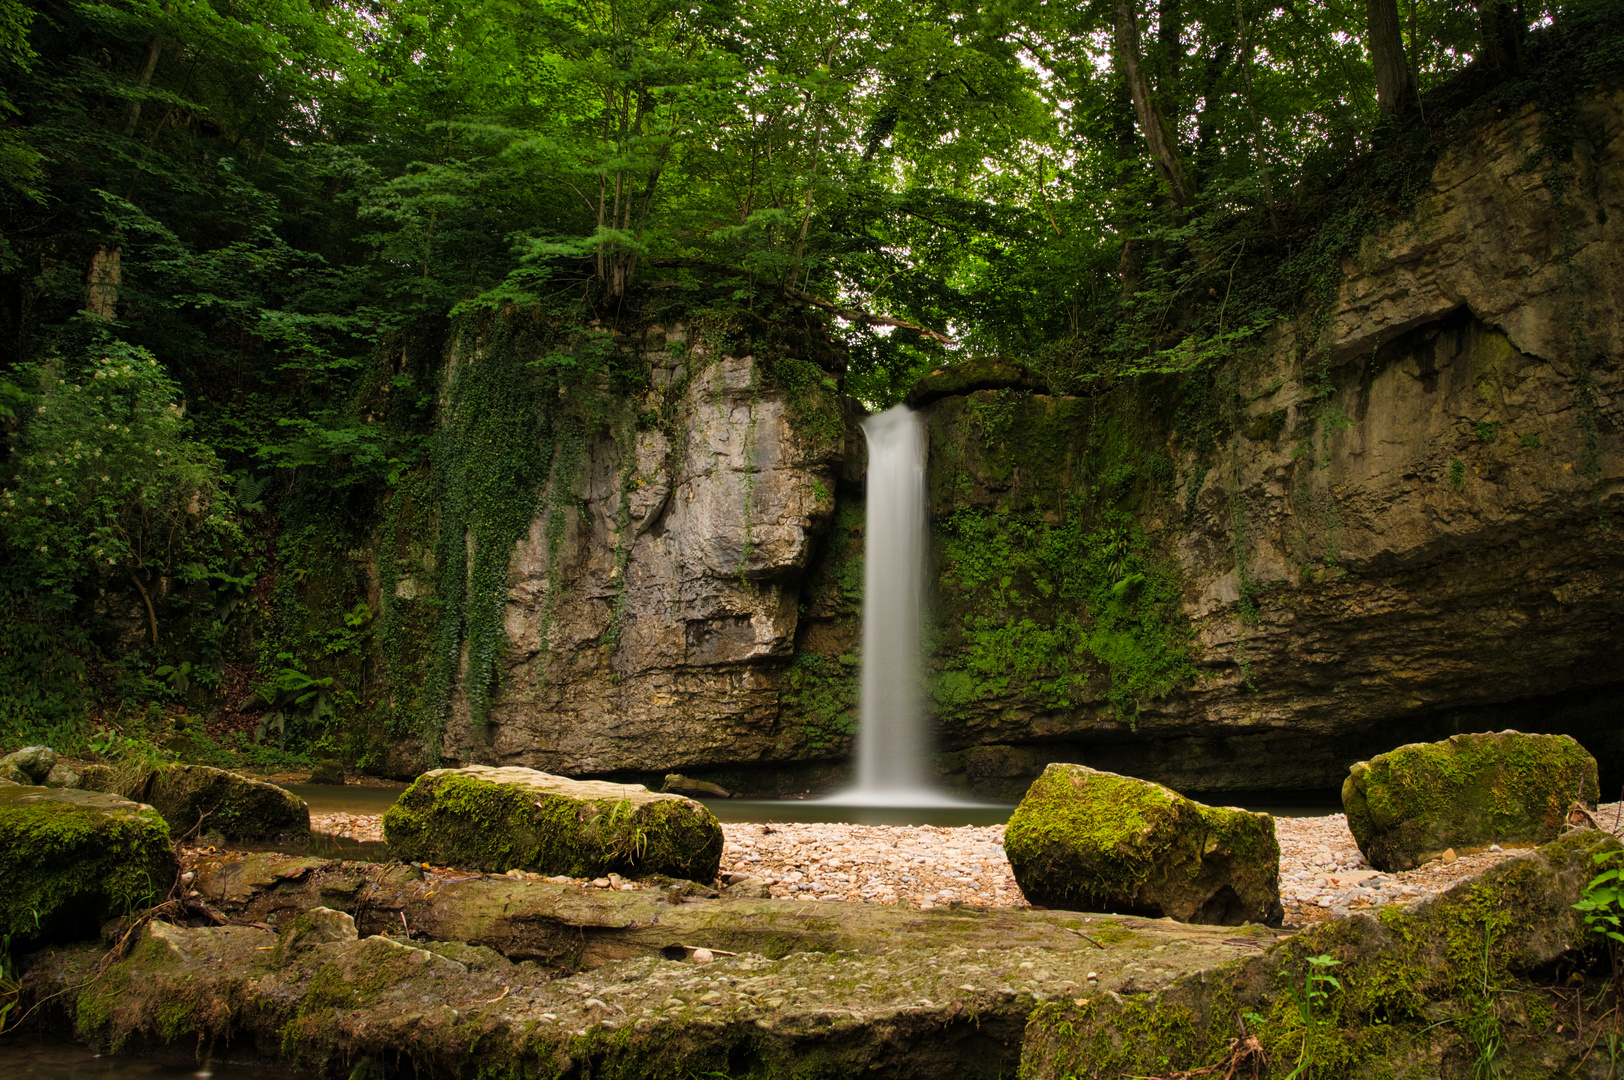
column 330, row 771
column 1408, row 805
column 30, row 765
column 678, row 784
column 199, row 801
column 70, row 860
column 1403, row 1000
column 499, row 819
column 1095, row 841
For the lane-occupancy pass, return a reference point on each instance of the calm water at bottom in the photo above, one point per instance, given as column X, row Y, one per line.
column 24, row 1058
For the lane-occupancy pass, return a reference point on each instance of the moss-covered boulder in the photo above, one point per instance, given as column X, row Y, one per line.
column 505, row 819
column 1466, row 792
column 1095, row 841
column 199, row 801
column 70, row 860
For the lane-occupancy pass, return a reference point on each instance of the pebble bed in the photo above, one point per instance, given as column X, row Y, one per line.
column 1322, row 874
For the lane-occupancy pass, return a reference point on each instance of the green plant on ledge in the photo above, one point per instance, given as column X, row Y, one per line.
column 1602, row 906
column 1313, row 1003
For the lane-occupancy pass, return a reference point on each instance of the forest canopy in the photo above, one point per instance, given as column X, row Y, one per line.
column 236, row 238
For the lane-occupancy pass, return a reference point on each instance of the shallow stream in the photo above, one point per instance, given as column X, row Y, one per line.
column 24, row 1058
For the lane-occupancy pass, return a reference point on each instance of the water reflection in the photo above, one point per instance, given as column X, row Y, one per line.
column 32, row 1059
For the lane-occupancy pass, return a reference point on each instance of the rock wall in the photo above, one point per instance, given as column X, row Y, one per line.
column 659, row 635
column 1409, row 524
column 1413, row 529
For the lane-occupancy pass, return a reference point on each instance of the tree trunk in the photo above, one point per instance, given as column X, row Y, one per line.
column 142, row 78
column 101, row 292
column 1158, row 137
column 1504, row 26
column 1395, row 85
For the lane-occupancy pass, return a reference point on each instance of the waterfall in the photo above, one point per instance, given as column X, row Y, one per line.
column 892, row 741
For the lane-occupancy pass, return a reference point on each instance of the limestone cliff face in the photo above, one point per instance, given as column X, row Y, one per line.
column 658, row 634
column 1416, row 526
column 1411, row 522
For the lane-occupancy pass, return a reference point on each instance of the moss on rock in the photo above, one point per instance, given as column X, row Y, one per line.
column 1457, row 986
column 70, row 860
column 505, row 819
column 199, row 800
column 1468, row 791
column 1095, row 841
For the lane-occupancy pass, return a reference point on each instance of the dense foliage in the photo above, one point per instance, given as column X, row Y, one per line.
column 238, row 240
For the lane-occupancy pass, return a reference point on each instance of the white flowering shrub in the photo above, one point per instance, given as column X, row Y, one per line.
column 104, row 481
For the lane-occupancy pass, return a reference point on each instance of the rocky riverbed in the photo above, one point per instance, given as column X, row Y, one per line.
column 1322, row 874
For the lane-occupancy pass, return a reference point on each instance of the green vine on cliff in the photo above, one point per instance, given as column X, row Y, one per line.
column 516, row 413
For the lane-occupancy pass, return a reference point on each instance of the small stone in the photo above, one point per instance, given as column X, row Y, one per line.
column 703, row 956
column 1448, row 856
column 600, row 883
column 33, row 762
column 1494, row 847
column 1093, row 975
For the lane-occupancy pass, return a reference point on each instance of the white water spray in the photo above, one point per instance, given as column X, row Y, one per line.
column 892, row 747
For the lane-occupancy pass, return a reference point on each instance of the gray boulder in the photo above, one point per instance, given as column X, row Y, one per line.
column 30, row 765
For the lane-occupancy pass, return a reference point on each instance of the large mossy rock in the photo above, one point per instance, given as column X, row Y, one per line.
column 1095, row 841
column 505, row 819
column 1499, row 976
column 1466, row 792
column 70, row 860
column 198, row 800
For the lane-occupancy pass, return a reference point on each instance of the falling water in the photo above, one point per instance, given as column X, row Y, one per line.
column 892, row 748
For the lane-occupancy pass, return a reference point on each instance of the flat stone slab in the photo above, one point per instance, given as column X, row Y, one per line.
column 512, row 818
column 70, row 860
column 829, row 990
column 1401, row 995
column 571, row 927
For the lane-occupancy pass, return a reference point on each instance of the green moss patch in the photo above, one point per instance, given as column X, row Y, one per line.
column 1409, row 804
column 70, row 860
column 1095, row 841
column 504, row 819
column 1488, row 979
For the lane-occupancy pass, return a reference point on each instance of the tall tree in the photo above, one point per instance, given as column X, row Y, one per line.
column 1158, row 133
column 1395, row 83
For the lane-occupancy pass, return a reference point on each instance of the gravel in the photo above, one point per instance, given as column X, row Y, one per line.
column 1322, row 874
